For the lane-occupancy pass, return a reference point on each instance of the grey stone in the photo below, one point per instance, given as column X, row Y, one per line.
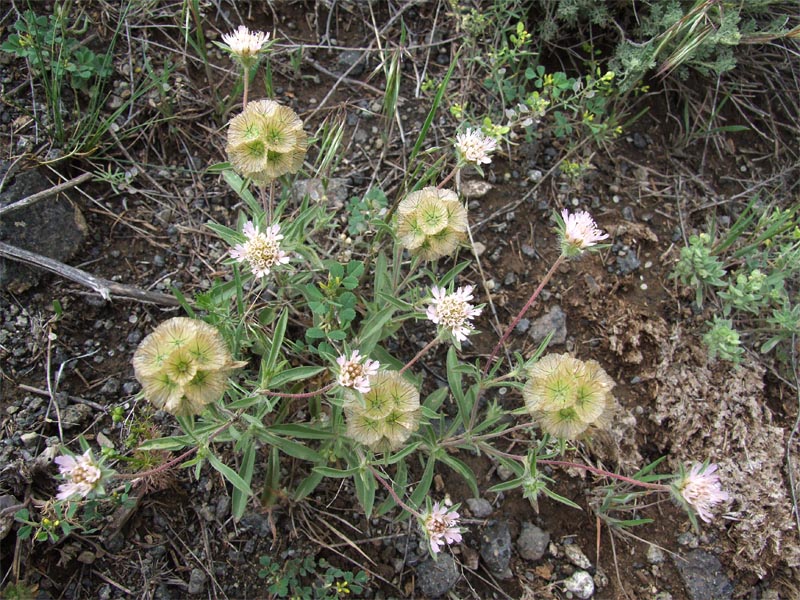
column 53, row 227
column 703, row 576
column 475, row 188
column 554, row 320
column 496, row 547
column 655, row 555
column 576, row 556
column 197, row 582
column 528, row 251
column 334, row 193
column 479, row 507
column 436, row 577
column 532, row 542
column 580, row 584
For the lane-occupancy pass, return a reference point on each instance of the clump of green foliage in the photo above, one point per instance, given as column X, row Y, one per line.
column 747, row 276
column 310, row 578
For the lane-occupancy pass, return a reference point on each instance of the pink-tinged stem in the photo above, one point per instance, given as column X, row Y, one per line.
column 562, row 463
column 448, row 178
column 171, row 463
column 393, row 494
column 303, row 395
column 521, row 314
column 419, row 355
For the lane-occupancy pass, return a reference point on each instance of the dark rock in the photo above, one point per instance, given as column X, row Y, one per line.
column 627, row 214
column 53, row 227
column 523, row 325
column 554, row 320
column 496, row 547
column 704, row 577
column 351, row 58
column 6, row 520
column 436, row 577
column 532, row 542
column 639, row 141
column 528, row 251
column 628, row 263
column 75, row 415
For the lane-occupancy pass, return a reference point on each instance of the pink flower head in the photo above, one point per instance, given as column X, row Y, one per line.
column 700, row 489
column 83, row 475
column 453, row 311
column 261, row 250
column 354, row 372
column 441, row 527
column 580, row 232
column 474, row 147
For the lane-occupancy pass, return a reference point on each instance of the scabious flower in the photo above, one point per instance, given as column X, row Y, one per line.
column 244, row 45
column 431, row 222
column 473, row 147
column 700, row 489
column 82, row 474
column 453, row 311
column 386, row 416
column 440, row 523
column 566, row 396
column 183, row 366
column 266, row 140
column 579, row 231
column 354, row 372
column 261, row 250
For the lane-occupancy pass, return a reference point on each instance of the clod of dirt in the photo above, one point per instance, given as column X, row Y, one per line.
column 719, row 412
column 704, row 577
column 436, row 577
column 53, row 227
column 197, row 582
column 532, row 542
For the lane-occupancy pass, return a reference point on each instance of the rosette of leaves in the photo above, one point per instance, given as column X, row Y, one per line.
column 266, row 141
column 431, row 223
column 565, row 395
column 386, row 416
column 183, row 366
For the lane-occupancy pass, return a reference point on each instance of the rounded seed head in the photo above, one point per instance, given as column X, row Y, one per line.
column 183, row 365
column 431, row 223
column 387, row 415
column 266, row 140
column 566, row 396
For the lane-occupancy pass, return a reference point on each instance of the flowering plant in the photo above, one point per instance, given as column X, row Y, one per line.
column 271, row 366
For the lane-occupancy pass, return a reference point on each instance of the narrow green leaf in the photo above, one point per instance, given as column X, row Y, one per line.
column 424, row 484
column 166, row 443
column 300, row 431
column 294, row 374
column 308, row 485
column 365, row 490
column 336, row 473
column 229, row 474
column 239, row 499
column 462, row 469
